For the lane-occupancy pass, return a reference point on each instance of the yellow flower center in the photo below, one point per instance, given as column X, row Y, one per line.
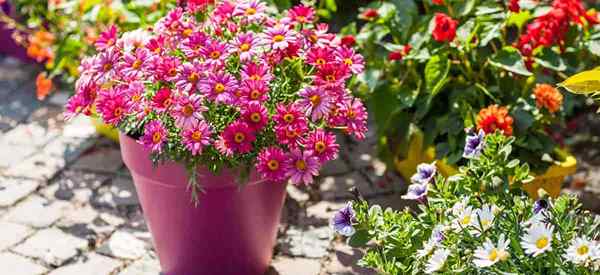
column 188, row 110
column 541, row 242
column 250, row 11
column 194, row 77
column 107, row 67
column 118, row 111
column 493, row 255
column 466, row 220
column 219, row 88
column 215, row 54
column 136, row 64
column 273, row 164
column 278, row 38
column 300, row 164
column 187, row 32
column 255, row 117
column 255, row 77
column 239, row 137
column 289, row 118
column 172, row 72
column 320, row 61
column 255, row 94
column 156, row 137
column 245, row 47
column 348, row 61
column 197, row 135
column 167, row 103
column 315, row 99
column 330, row 78
column 136, row 98
column 320, row 147
column 583, row 250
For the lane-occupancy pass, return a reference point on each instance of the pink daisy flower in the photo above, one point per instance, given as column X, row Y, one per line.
column 353, row 115
column 290, row 135
column 322, row 145
column 156, row 45
column 236, row 138
column 154, row 136
column 289, row 115
column 271, row 164
column 254, row 90
column 112, row 105
column 167, row 68
column 106, row 39
column 251, row 11
column 192, row 46
column 319, row 36
column 188, row 110
column 215, row 53
column 219, row 87
column 245, row 45
column 279, row 37
column 223, row 11
column 104, row 65
column 255, row 115
column 162, row 100
column 135, row 94
column 332, row 75
column 302, row 167
column 172, row 22
column 315, row 101
column 134, row 64
column 348, row 57
column 301, row 14
column 188, row 79
column 319, row 56
column 196, row 137
column 253, row 71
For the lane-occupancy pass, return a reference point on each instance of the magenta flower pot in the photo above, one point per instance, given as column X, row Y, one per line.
column 231, row 231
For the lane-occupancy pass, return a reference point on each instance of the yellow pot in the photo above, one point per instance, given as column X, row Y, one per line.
column 551, row 181
column 105, row 129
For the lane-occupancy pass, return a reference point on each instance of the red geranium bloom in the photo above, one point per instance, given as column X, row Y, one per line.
column 369, row 14
column 445, row 28
column 437, row 2
column 495, row 118
column 348, row 41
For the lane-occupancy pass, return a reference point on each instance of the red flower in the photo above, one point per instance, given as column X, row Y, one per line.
column 399, row 54
column 437, row 2
column 369, row 14
column 495, row 118
column 547, row 97
column 513, row 6
column 445, row 28
column 348, row 40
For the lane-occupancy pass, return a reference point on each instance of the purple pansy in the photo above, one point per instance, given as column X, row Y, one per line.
column 417, row 192
column 343, row 219
column 425, row 173
column 474, row 144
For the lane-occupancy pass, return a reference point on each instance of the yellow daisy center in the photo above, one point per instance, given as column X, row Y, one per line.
column 289, row 118
column 118, row 111
column 273, row 164
column 300, row 164
column 136, row 64
column 197, row 135
column 255, row 117
column 493, row 255
column 219, row 88
column 278, row 38
column 250, row 11
column 320, row 61
column 320, row 147
column 215, row 54
column 194, row 77
column 348, row 61
column 239, row 137
column 188, row 110
column 541, row 242
column 465, row 220
column 583, row 250
column 245, row 47
column 315, row 99
column 187, row 32
column 156, row 137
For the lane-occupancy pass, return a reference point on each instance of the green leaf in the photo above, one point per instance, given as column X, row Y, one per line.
column 551, row 60
column 436, row 73
column 491, row 32
column 359, row 239
column 330, row 5
column 519, row 19
column 466, row 7
column 594, row 47
column 511, row 60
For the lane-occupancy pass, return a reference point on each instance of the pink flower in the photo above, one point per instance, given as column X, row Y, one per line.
column 196, row 137
column 302, row 167
column 76, row 105
column 353, row 115
column 192, row 46
column 271, row 164
column 154, row 136
column 332, row 75
column 318, row 36
column 134, row 64
column 254, row 90
column 290, row 135
column 279, row 37
column 112, row 105
column 219, row 87
column 188, row 79
column 104, row 65
column 215, row 53
column 315, row 101
column 289, row 115
column 135, row 94
column 255, row 115
column 188, row 110
column 245, row 45
column 236, row 138
column 251, row 11
column 322, row 145
column 319, row 56
column 172, row 22
column 253, row 71
column 156, row 45
column 223, row 11
column 106, row 39
column 167, row 68
column 162, row 100
column 301, row 14
column 349, row 58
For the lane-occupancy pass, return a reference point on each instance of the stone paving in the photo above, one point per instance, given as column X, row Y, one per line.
column 68, row 204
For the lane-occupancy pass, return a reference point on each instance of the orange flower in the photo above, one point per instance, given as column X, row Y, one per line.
column 495, row 118
column 547, row 97
column 39, row 46
column 43, row 86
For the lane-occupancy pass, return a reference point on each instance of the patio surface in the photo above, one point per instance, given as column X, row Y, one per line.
column 68, row 205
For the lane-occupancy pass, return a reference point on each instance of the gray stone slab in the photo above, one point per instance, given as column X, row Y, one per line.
column 308, row 243
column 121, row 192
column 39, row 167
column 294, row 266
column 100, row 160
column 52, row 246
column 123, row 245
column 31, row 135
column 68, row 148
column 91, row 264
column 37, row 212
column 13, row 190
column 16, row 107
column 75, row 186
column 79, row 127
column 11, row 155
column 17, row 265
column 12, row 233
column 145, row 266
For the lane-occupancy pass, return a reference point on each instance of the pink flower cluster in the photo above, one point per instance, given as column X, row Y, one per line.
column 279, row 79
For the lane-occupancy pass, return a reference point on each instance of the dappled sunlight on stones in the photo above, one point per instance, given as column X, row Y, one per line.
column 89, row 264
column 12, row 190
column 12, row 264
column 12, row 233
column 52, row 246
column 37, row 212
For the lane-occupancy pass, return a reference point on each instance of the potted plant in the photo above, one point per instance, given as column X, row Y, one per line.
column 435, row 68
column 225, row 103
column 476, row 222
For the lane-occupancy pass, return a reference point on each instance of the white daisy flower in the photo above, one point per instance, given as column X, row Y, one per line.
column 459, row 206
column 582, row 250
column 537, row 239
column 489, row 254
column 538, row 218
column 437, row 260
column 434, row 241
column 464, row 219
column 483, row 219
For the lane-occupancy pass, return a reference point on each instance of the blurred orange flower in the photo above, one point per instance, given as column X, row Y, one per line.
column 495, row 118
column 43, row 86
column 547, row 97
column 40, row 44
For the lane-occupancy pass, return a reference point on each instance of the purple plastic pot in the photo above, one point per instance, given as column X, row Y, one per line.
column 8, row 46
column 231, row 231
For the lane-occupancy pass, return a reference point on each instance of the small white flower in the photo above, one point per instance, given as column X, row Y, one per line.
column 489, row 254
column 537, row 239
column 582, row 250
column 437, row 260
column 538, row 218
column 464, row 219
column 434, row 241
column 460, row 206
column 483, row 219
